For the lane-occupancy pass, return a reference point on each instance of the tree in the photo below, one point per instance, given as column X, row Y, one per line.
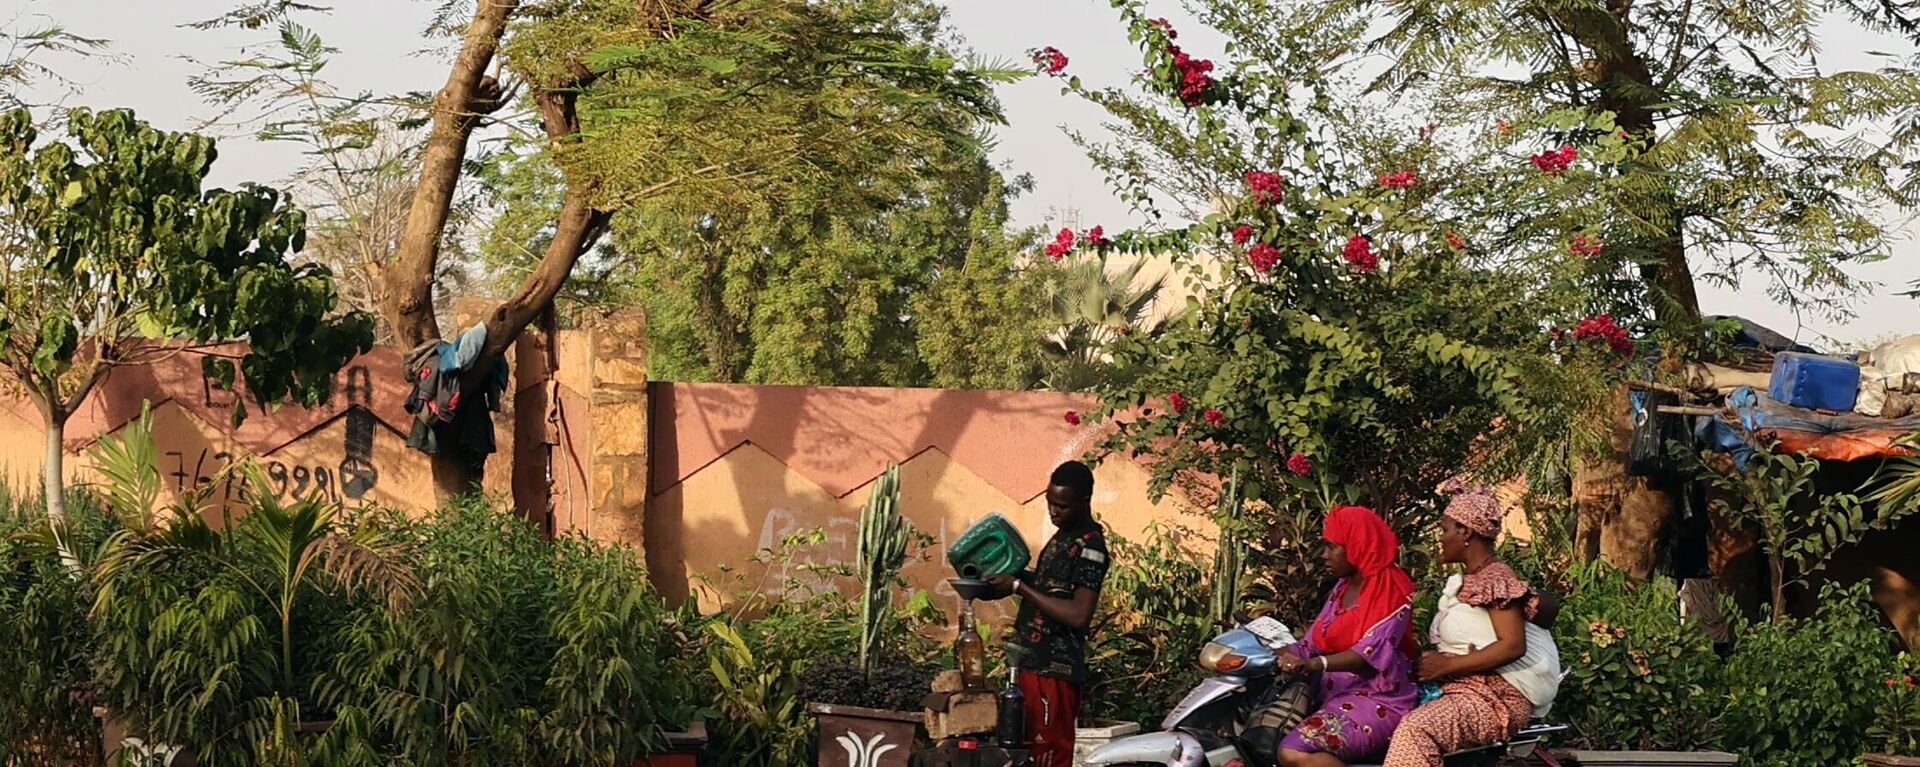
column 1347, row 343
column 1088, row 308
column 1750, row 155
column 637, row 101
column 112, row 254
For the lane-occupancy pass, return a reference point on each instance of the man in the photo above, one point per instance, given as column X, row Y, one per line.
column 1048, row 642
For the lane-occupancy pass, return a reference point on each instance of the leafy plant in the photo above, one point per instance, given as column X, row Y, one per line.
column 1803, row 692
column 110, row 238
column 1896, row 720
column 1800, row 526
column 1148, row 631
column 45, row 717
column 1639, row 677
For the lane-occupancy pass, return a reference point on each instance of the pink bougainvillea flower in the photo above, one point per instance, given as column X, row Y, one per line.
column 1601, row 327
column 1214, row 417
column 1584, row 246
column 1427, row 131
column 1557, row 160
column 1359, row 254
column 1263, row 257
column 1299, row 464
column 1266, row 187
column 1242, row 234
column 1073, row 417
column 1167, row 27
column 1405, row 179
column 1455, row 241
column 1196, row 76
column 1097, row 237
column 1050, row 60
column 1178, row 402
column 1061, row 246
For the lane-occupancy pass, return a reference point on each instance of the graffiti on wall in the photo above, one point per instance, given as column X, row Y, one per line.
column 348, row 482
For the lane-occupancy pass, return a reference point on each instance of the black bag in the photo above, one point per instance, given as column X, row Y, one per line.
column 1652, row 430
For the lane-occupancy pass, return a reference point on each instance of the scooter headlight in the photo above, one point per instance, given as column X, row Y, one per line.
column 1221, row 658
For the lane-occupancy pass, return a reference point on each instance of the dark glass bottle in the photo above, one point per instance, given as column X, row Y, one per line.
column 1010, row 725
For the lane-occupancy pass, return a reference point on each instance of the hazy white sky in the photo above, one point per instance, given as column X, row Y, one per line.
column 378, row 41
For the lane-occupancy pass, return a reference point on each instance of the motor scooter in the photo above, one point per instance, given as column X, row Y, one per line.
column 1237, row 717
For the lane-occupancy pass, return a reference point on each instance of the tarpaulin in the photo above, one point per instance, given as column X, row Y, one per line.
column 1766, row 422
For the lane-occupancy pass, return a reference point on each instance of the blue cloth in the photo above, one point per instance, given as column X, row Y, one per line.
column 464, row 350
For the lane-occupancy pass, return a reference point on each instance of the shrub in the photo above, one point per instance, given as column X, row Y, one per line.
column 1896, row 718
column 1639, row 676
column 45, row 716
column 1803, row 692
column 1147, row 635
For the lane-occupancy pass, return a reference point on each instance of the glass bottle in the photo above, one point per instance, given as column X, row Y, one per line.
column 970, row 651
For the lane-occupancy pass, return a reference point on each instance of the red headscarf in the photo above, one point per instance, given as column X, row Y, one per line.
column 1372, row 548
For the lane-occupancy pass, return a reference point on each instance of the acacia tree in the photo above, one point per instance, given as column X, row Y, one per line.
column 627, row 102
column 1753, row 156
column 1351, row 339
column 113, row 254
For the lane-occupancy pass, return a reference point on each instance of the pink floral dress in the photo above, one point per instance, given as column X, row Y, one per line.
column 1472, row 710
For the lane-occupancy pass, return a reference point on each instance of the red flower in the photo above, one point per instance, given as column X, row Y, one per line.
column 1555, row 161
column 1584, row 246
column 1359, row 253
column 1427, row 131
column 1333, row 742
column 1166, row 27
column 1241, row 234
column 1299, row 464
column 1178, row 402
column 1073, row 417
column 1602, row 328
column 1266, row 187
column 1196, row 76
column 1050, row 60
column 1097, row 237
column 1405, row 179
column 1505, row 127
column 1214, row 417
column 1455, row 241
column 1263, row 257
column 1062, row 244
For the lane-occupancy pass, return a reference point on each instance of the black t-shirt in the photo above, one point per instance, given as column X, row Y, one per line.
column 1075, row 558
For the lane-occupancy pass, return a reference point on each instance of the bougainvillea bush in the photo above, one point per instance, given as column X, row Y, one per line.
column 1358, row 334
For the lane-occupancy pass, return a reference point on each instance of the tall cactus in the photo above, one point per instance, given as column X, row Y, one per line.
column 1228, row 556
column 884, row 535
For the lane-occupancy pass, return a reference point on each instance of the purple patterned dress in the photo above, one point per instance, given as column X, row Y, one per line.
column 1358, row 710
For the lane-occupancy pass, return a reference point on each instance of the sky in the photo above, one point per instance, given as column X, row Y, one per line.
column 379, row 46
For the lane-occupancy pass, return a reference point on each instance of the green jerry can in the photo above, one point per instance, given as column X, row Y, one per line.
column 990, row 547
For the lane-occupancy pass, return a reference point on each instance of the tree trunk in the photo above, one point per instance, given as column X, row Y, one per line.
column 1777, row 572
column 470, row 93
column 1628, row 90
column 53, row 474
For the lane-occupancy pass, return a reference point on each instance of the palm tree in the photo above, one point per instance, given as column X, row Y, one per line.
column 1089, row 308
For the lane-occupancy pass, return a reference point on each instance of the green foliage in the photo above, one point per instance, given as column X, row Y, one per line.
column 1088, row 308
column 1752, row 155
column 1803, row 692
column 44, row 638
column 802, row 191
column 1388, row 378
column 1801, row 527
column 111, row 238
column 1640, row 678
column 1146, row 636
column 1896, row 719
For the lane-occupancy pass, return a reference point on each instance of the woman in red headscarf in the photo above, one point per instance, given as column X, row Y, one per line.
column 1361, row 647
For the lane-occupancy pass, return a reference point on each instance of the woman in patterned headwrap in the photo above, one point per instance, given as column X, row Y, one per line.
column 1496, row 667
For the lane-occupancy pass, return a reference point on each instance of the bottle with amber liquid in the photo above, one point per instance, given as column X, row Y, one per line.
column 970, row 651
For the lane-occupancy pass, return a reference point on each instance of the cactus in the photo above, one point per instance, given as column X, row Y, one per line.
column 1227, row 556
column 882, row 550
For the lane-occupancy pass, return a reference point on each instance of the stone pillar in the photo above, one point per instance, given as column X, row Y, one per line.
column 620, row 427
